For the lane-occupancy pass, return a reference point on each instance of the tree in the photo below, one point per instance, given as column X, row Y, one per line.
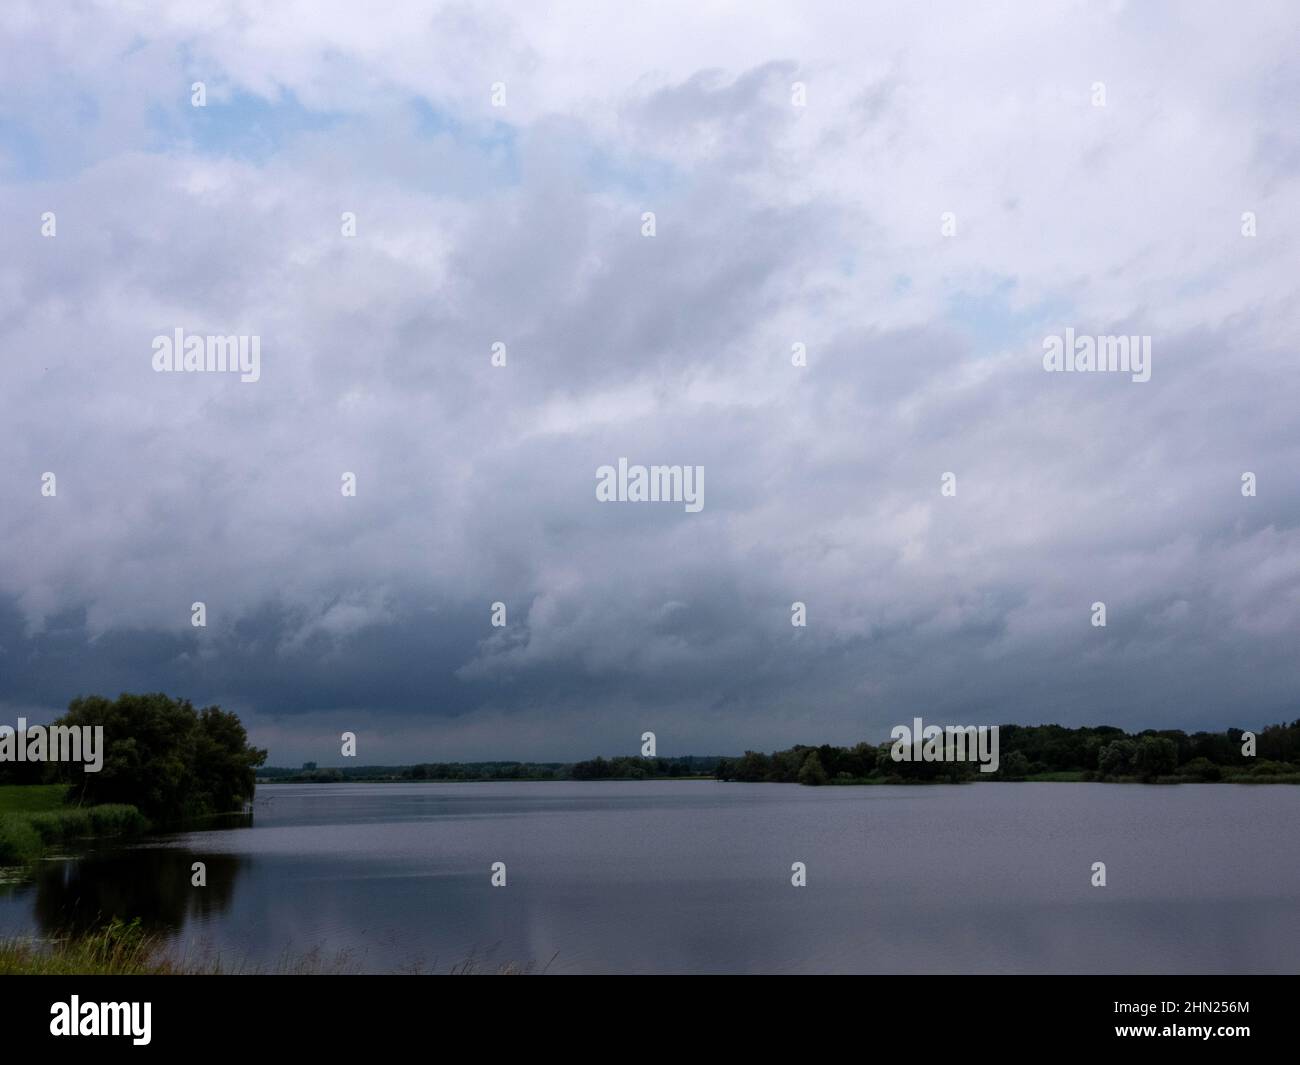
column 751, row 768
column 1155, row 756
column 1014, row 766
column 812, row 771
column 224, row 765
column 164, row 757
column 1116, row 759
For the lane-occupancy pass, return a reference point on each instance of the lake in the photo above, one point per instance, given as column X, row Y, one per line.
column 695, row 876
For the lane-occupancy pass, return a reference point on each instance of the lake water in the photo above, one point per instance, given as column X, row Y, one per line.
column 694, row 876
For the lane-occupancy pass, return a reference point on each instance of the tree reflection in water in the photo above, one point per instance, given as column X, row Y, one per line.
column 151, row 883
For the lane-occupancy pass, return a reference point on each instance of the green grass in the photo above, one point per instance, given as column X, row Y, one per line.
column 117, row 950
column 1262, row 778
column 31, row 798
column 33, row 817
column 125, row 949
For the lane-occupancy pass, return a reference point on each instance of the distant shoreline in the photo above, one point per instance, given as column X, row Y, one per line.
column 1006, row 753
column 1043, row 778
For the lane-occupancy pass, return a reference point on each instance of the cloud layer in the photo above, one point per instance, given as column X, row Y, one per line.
column 775, row 225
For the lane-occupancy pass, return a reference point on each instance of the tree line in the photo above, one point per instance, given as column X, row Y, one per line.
column 618, row 768
column 1102, row 753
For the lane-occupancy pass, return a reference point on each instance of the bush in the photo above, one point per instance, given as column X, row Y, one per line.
column 24, row 837
column 1014, row 766
column 1268, row 768
column 812, row 772
column 1200, row 769
column 117, row 819
column 19, row 841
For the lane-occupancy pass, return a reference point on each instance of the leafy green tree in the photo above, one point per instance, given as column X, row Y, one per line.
column 164, row 757
column 224, row 766
column 812, row 772
column 1116, row 759
column 751, row 768
column 1014, row 766
column 1155, row 756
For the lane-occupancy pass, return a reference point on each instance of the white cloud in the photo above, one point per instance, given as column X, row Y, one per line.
column 776, row 224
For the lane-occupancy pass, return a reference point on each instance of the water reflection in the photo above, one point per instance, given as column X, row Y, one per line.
column 153, row 884
column 669, row 876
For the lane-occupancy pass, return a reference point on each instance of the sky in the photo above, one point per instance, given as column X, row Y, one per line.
column 917, row 196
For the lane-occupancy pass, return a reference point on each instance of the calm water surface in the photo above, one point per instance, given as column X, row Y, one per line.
column 694, row 876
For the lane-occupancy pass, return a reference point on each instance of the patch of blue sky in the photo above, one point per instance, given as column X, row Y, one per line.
column 495, row 142
column 602, row 170
column 987, row 316
column 49, row 147
column 23, row 154
column 1202, row 284
column 245, row 126
column 629, row 174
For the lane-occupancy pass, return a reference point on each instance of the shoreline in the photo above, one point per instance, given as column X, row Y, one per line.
column 1057, row 777
column 35, row 817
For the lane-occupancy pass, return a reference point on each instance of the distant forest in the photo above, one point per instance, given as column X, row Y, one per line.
column 1048, row 752
column 1026, row 752
column 622, row 768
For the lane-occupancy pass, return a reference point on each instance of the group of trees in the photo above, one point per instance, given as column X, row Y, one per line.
column 803, row 765
column 635, row 768
column 620, row 768
column 485, row 771
column 1100, row 753
column 161, row 755
column 828, row 764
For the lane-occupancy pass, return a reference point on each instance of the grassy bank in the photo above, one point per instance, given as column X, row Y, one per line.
column 124, row 949
column 31, row 798
column 117, row 950
column 33, row 817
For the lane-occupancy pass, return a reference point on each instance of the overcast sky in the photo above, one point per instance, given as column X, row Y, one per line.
column 775, row 224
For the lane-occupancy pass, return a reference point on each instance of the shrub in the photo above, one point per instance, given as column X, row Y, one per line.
column 1200, row 769
column 19, row 841
column 812, row 772
column 1268, row 768
column 1015, row 766
column 23, row 837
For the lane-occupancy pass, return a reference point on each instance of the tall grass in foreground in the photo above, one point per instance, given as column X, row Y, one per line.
column 125, row 949
column 118, row 949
